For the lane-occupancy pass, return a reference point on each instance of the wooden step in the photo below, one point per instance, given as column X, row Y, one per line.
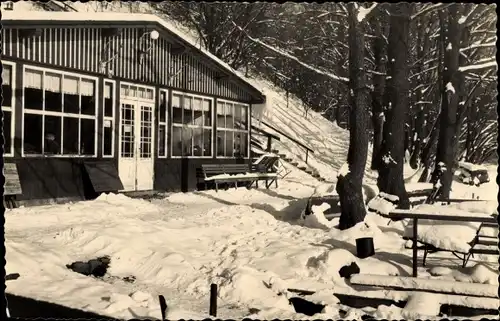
column 282, row 156
column 302, row 167
column 308, row 171
column 482, row 241
column 275, row 151
column 321, row 179
column 294, row 163
column 288, row 159
column 316, row 175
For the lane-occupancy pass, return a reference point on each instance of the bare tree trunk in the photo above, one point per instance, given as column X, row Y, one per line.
column 390, row 179
column 378, row 92
column 449, row 105
column 349, row 185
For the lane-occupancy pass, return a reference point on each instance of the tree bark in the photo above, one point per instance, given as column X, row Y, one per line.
column 378, row 92
column 390, row 179
column 445, row 156
column 349, row 185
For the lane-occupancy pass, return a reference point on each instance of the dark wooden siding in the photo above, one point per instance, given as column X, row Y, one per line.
column 83, row 48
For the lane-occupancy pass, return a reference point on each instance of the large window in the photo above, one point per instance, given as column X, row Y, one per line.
column 60, row 114
column 191, row 125
column 108, row 133
column 232, row 129
column 8, row 107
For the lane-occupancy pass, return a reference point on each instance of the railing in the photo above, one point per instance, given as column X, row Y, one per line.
column 308, row 149
column 268, row 135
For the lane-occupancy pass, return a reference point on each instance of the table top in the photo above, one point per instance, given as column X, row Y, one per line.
column 416, row 214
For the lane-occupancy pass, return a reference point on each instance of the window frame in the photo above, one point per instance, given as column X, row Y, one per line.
column 165, row 123
column 112, row 118
column 60, row 114
column 211, row 127
column 12, row 108
column 233, row 130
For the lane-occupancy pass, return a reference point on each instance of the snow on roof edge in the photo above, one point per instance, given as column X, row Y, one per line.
column 121, row 17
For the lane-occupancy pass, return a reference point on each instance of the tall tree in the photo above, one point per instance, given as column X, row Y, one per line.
column 390, row 179
column 379, row 52
column 445, row 154
column 350, row 180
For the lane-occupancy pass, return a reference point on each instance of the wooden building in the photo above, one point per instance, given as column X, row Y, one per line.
column 93, row 101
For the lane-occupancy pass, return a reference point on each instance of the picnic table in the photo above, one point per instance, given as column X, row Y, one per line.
column 416, row 215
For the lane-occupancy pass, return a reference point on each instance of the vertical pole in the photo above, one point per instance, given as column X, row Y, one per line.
column 213, row 300
column 269, row 138
column 415, row 236
column 307, row 154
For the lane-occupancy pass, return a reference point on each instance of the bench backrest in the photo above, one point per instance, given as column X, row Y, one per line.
column 207, row 170
column 266, row 164
column 235, row 168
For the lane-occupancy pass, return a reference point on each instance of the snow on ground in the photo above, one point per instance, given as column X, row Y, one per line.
column 251, row 243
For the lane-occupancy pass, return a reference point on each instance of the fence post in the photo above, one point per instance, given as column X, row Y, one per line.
column 213, row 300
column 307, row 154
column 269, row 139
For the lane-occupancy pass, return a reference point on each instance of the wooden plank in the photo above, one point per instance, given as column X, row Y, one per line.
column 427, row 285
column 103, row 176
column 402, row 214
column 12, row 182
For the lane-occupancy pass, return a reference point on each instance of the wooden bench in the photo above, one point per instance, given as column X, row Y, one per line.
column 231, row 174
column 416, row 216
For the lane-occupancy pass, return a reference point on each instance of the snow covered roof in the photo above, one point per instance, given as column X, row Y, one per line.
column 115, row 17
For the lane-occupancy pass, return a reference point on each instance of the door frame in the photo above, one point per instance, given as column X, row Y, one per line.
column 137, row 101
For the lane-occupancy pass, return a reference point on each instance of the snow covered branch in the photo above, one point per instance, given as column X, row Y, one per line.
column 488, row 64
column 363, row 12
column 291, row 57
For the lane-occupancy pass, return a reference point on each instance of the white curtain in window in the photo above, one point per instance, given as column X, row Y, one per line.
column 229, row 109
column 52, row 82
column 197, row 104
column 87, row 87
column 220, row 109
column 33, row 79
column 70, row 85
column 107, row 90
column 6, row 74
column 206, row 105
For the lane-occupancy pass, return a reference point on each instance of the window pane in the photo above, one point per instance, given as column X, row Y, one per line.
column 108, row 137
column 71, row 95
column 87, row 136
column 53, row 96
column 221, row 122
column 109, row 96
column 244, row 120
column 7, row 126
column 240, row 144
column 197, row 141
column 162, row 110
column 188, row 113
column 52, row 135
column 229, row 144
column 187, row 141
column 177, row 141
column 33, row 98
column 207, row 142
column 161, row 140
column 87, row 90
column 229, row 115
column 132, row 91
column 221, row 142
column 7, row 85
column 33, row 134
column 176, row 109
column 70, row 136
column 207, row 111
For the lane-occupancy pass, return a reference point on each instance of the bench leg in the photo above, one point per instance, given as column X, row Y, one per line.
column 216, row 187
column 425, row 255
column 415, row 249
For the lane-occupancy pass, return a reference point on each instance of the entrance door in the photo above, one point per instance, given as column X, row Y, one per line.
column 136, row 162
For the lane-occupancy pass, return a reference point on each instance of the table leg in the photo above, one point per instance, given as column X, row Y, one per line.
column 415, row 258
